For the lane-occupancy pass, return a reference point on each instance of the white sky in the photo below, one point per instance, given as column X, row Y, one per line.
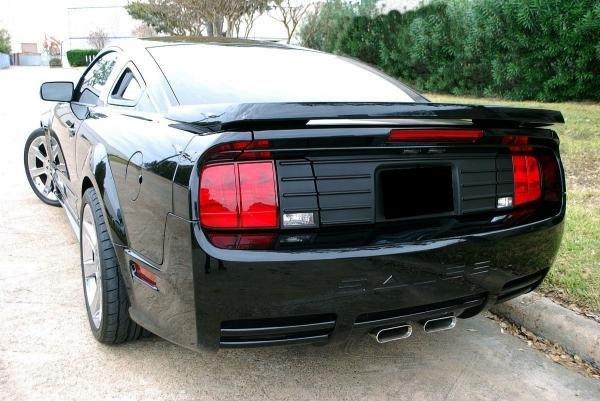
column 28, row 20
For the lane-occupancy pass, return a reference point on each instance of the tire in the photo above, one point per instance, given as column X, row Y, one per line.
column 108, row 306
column 38, row 167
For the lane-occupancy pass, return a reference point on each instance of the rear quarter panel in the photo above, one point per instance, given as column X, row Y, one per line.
column 142, row 157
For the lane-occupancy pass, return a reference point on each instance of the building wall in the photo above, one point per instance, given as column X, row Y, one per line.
column 81, row 21
column 4, row 60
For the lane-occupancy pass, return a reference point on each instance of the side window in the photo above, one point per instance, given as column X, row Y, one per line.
column 130, row 91
column 133, row 90
column 96, row 78
column 127, row 87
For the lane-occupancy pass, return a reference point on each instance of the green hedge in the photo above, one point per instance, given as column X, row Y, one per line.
column 546, row 50
column 80, row 57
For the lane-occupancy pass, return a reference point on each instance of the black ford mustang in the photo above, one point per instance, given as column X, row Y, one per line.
column 234, row 194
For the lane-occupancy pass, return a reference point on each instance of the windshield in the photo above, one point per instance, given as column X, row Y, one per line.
column 206, row 74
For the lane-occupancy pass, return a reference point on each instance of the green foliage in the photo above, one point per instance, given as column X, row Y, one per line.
column 547, row 50
column 80, row 57
column 324, row 28
column 4, row 41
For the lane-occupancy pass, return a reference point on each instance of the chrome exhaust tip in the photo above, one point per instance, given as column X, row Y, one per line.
column 394, row 333
column 439, row 324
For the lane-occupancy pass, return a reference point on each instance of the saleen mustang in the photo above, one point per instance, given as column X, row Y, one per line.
column 238, row 193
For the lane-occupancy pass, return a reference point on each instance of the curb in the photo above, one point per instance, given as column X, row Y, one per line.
column 575, row 333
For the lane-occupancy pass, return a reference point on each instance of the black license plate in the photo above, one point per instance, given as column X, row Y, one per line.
column 416, row 191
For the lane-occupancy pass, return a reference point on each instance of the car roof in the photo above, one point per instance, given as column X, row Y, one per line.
column 160, row 41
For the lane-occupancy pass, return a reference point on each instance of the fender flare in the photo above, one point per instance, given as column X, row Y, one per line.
column 96, row 173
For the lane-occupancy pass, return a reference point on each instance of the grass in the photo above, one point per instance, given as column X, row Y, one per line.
column 575, row 276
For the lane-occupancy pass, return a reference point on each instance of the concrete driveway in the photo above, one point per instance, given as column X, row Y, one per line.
column 47, row 351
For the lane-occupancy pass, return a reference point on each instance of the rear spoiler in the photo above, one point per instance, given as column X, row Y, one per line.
column 249, row 115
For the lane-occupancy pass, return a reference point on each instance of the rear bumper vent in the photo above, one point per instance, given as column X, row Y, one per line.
column 468, row 306
column 520, row 286
column 279, row 331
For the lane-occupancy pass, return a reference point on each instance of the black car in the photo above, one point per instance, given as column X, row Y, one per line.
column 238, row 193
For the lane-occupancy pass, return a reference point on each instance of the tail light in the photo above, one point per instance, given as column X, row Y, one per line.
column 527, row 179
column 434, row 135
column 526, row 170
column 238, row 195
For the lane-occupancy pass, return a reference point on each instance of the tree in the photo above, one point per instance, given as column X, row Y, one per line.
column 290, row 15
column 98, row 38
column 143, row 30
column 52, row 46
column 4, row 41
column 195, row 17
column 167, row 16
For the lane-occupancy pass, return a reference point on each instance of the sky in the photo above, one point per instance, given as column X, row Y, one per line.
column 28, row 20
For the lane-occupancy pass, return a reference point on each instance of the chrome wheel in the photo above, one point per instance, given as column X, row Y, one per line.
column 41, row 165
column 92, row 272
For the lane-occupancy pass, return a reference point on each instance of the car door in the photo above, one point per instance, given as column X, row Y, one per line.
column 70, row 116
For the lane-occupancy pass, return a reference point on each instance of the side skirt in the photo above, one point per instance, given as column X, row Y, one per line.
column 73, row 221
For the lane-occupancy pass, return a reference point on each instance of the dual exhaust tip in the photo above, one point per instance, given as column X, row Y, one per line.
column 400, row 332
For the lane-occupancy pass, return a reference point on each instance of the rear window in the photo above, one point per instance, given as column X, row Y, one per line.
column 205, row 74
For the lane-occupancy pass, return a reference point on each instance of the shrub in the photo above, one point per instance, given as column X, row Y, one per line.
column 80, row 57
column 519, row 49
column 55, row 62
column 323, row 29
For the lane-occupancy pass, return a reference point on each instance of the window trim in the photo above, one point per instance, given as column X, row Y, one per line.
column 115, row 101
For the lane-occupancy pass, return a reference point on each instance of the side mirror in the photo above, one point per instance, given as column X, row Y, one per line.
column 57, row 91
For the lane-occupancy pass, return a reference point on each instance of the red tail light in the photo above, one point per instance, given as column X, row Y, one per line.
column 527, row 179
column 434, row 135
column 238, row 195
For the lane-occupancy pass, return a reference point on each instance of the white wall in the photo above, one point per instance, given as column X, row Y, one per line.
column 4, row 60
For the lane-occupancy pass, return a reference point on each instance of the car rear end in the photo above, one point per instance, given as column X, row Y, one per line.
column 322, row 199
column 312, row 234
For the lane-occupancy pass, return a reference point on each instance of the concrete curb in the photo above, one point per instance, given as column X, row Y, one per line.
column 577, row 334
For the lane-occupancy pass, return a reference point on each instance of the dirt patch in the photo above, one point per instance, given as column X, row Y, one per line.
column 581, row 171
column 553, row 351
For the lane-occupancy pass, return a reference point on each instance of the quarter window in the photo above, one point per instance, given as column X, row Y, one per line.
column 127, row 87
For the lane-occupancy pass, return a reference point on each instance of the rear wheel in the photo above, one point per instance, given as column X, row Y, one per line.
column 104, row 291
column 41, row 160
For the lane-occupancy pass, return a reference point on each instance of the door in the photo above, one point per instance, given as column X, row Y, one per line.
column 69, row 117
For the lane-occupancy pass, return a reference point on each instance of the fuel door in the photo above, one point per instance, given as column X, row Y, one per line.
column 133, row 176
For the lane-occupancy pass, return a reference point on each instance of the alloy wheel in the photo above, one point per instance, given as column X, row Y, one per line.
column 40, row 166
column 92, row 272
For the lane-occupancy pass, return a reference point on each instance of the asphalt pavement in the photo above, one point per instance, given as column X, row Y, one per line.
column 48, row 353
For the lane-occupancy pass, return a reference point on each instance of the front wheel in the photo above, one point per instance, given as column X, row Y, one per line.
column 104, row 291
column 41, row 160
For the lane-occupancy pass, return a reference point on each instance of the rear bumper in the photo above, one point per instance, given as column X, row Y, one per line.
column 209, row 299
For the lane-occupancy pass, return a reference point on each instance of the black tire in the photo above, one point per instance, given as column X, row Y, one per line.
column 33, row 136
column 115, row 324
